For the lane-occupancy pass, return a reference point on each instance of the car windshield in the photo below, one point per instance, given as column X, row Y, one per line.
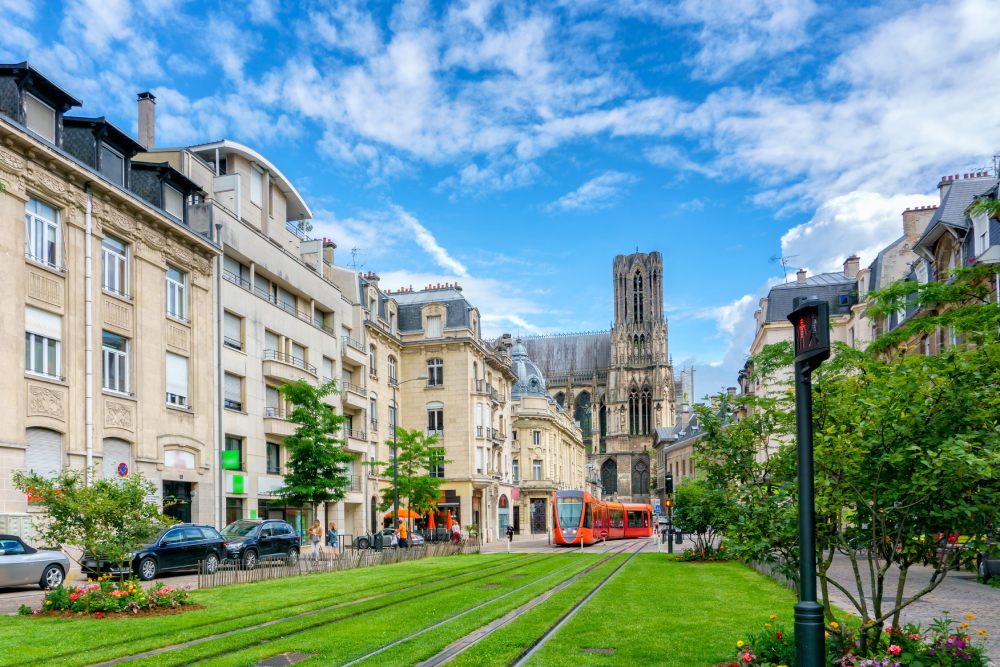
column 570, row 510
column 239, row 528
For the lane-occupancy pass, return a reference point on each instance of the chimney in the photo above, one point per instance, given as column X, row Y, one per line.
column 800, row 275
column 944, row 185
column 147, row 120
column 731, row 392
column 915, row 222
column 851, row 266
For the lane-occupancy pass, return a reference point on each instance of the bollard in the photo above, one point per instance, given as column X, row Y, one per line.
column 508, row 546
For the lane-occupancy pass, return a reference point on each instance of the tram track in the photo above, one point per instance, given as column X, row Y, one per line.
column 522, row 660
column 482, row 573
column 506, row 564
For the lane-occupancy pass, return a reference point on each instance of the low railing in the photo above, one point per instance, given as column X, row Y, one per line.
column 351, row 342
column 274, row 412
column 356, row 434
column 350, row 386
column 274, row 355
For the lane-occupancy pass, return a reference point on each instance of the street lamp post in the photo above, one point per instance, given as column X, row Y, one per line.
column 395, row 466
column 811, row 326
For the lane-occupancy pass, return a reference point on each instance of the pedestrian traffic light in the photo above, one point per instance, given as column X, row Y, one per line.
column 668, row 483
column 811, row 322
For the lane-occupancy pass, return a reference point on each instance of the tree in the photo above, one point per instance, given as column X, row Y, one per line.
column 108, row 517
column 701, row 510
column 417, row 455
column 317, row 470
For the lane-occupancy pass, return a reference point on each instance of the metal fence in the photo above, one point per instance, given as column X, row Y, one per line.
column 346, row 559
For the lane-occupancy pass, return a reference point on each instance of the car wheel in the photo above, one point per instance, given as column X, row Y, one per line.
column 51, row 577
column 363, row 543
column 249, row 559
column 211, row 563
column 147, row 568
column 293, row 558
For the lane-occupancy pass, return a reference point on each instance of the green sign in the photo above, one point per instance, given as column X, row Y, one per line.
column 253, row 514
column 237, row 483
column 231, row 459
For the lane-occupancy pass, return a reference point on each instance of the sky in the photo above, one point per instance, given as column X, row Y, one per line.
column 517, row 147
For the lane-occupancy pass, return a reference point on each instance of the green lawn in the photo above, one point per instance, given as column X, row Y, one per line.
column 655, row 611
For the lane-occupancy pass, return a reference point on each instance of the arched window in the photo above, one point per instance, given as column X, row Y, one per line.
column 392, row 369
column 435, row 372
column 639, row 410
column 372, row 360
column 637, row 294
column 561, row 399
column 117, row 452
column 640, row 477
column 43, row 453
column 373, row 410
column 475, row 370
column 582, row 413
column 609, row 477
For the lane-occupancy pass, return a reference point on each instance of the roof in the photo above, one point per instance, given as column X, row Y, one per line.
column 296, row 208
column 43, row 85
column 951, row 213
column 173, row 175
column 411, row 303
column 826, row 286
column 584, row 351
column 117, row 137
column 530, row 381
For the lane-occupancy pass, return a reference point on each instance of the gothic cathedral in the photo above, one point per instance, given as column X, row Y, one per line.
column 618, row 385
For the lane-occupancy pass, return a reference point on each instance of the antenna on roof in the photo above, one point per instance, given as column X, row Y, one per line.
column 785, row 261
column 996, row 166
column 354, row 259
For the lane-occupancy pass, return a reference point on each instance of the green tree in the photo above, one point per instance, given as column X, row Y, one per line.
column 317, row 463
column 109, row 517
column 701, row 510
column 417, row 456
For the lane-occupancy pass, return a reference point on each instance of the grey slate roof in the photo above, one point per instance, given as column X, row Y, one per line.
column 951, row 212
column 827, row 286
column 410, row 304
column 530, row 381
column 583, row 352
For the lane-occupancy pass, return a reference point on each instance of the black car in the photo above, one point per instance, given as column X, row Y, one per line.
column 251, row 540
column 179, row 547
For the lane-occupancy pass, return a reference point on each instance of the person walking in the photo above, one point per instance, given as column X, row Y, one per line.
column 402, row 535
column 331, row 536
column 456, row 534
column 510, row 533
column 316, row 538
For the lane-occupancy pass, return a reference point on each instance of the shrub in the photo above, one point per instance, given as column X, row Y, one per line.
column 709, row 553
column 106, row 595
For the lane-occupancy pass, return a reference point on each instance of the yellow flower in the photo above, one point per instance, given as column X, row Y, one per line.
column 962, row 626
column 834, row 625
column 739, row 644
column 767, row 625
column 850, row 615
column 773, row 616
column 826, row 633
column 970, row 616
column 980, row 631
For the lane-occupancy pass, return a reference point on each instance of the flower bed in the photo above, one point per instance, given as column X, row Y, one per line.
column 709, row 553
column 109, row 596
column 944, row 643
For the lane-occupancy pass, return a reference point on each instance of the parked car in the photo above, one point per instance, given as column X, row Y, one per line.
column 388, row 539
column 179, row 547
column 249, row 541
column 22, row 565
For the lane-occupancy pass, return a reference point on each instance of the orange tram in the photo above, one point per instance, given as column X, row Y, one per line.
column 581, row 518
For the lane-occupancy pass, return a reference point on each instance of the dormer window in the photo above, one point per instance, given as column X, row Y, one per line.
column 173, row 201
column 40, row 117
column 112, row 165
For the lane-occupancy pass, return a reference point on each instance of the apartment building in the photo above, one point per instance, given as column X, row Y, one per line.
column 110, row 306
column 547, row 448
column 463, row 399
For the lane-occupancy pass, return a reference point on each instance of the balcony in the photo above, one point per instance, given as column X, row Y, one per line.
column 435, row 433
column 498, row 436
column 356, row 440
column 286, row 368
column 538, row 485
column 353, row 351
column 276, row 425
column 355, row 486
column 353, row 395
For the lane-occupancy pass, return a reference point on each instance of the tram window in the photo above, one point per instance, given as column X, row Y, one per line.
column 569, row 511
column 634, row 520
column 586, row 517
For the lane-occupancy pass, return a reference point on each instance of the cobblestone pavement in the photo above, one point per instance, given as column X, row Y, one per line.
column 958, row 594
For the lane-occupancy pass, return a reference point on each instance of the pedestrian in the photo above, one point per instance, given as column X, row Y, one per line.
column 402, row 535
column 331, row 537
column 456, row 534
column 510, row 533
column 316, row 538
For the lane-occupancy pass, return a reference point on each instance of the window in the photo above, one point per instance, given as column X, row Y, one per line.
column 536, row 469
column 285, row 300
column 256, row 185
column 373, row 411
column 271, row 344
column 176, row 293
column 536, row 438
column 328, row 369
column 480, row 456
column 983, row 242
column 372, row 360
column 515, row 469
column 298, row 355
column 233, row 392
column 177, row 380
column 392, row 322
column 273, row 458
column 320, row 318
column 40, row 117
column 173, row 202
column 112, row 165
column 435, row 418
column 392, row 416
column 272, row 402
column 41, row 233
column 42, row 336
column 235, row 272
column 372, row 309
column 235, row 444
column 436, row 464
column 479, row 420
column 115, row 254
column 434, row 326
column 43, row 451
column 392, row 369
column 435, row 373
column 116, row 366
column 232, row 331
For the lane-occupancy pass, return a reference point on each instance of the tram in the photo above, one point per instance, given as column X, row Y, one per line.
column 581, row 518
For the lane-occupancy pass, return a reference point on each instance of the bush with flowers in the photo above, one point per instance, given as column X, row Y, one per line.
column 106, row 595
column 709, row 553
column 946, row 643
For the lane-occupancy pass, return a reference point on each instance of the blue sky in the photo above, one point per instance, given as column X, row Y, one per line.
column 517, row 147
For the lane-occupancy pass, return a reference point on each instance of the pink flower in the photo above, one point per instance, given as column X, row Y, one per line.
column 73, row 596
column 913, row 636
column 747, row 657
column 894, row 649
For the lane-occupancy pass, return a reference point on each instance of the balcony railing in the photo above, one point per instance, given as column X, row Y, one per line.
column 236, row 280
column 274, row 355
column 374, row 426
column 355, row 484
column 356, row 434
column 232, row 343
column 350, row 342
column 479, row 432
column 274, row 412
column 231, row 404
column 435, row 433
column 350, row 386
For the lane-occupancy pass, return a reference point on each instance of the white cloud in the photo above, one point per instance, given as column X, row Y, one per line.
column 262, row 11
column 599, row 192
column 860, row 223
column 729, row 317
column 98, row 22
column 429, row 244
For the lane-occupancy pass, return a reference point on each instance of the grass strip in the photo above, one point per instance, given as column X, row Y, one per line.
column 31, row 638
column 363, row 621
column 354, row 637
column 664, row 612
column 505, row 645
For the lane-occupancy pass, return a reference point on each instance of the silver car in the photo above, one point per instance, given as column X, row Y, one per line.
column 21, row 565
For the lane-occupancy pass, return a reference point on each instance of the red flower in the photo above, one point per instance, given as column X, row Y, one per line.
column 894, row 649
column 99, row 614
column 73, row 596
column 778, row 635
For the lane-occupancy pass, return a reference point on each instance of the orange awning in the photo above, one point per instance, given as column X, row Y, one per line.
column 404, row 514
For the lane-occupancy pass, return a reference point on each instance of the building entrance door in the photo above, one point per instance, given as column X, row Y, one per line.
column 177, row 500
column 503, row 517
column 538, row 515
